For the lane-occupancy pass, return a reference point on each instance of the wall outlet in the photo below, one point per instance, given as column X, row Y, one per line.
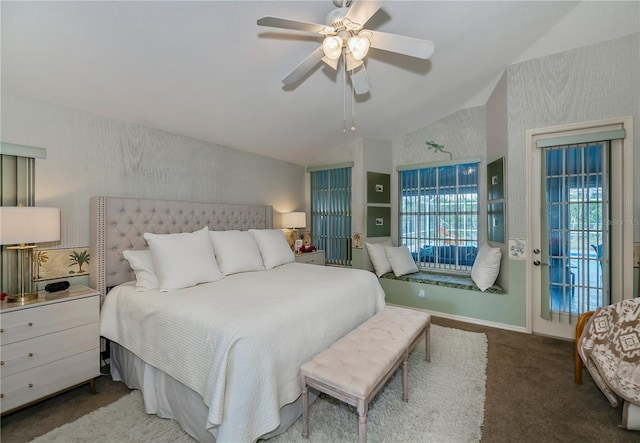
column 421, row 294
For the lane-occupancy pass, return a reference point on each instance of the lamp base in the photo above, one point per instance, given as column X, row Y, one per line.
column 21, row 298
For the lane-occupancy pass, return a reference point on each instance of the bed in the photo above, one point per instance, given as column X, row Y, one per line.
column 222, row 357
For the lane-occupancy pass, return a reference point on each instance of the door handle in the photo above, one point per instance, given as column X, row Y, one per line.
column 536, row 251
column 536, row 262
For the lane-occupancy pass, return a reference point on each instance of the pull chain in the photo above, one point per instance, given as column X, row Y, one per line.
column 344, row 96
column 353, row 105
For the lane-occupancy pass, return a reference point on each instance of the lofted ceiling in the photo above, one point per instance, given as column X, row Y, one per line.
column 206, row 70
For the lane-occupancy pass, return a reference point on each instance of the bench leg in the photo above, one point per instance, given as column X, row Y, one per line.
column 363, row 409
column 427, row 344
column 305, row 410
column 405, row 378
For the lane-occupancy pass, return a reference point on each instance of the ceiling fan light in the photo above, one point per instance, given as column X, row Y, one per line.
column 359, row 46
column 332, row 47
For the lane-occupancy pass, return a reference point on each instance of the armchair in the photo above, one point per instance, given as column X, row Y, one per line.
column 608, row 344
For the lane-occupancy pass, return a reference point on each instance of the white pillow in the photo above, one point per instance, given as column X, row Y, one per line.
column 141, row 262
column 486, row 267
column 401, row 260
column 236, row 251
column 273, row 247
column 183, row 260
column 378, row 256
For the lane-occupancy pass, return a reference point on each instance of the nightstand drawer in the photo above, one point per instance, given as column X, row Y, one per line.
column 27, row 354
column 33, row 322
column 312, row 258
column 27, row 386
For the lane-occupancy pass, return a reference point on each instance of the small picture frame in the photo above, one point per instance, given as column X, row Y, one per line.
column 495, row 228
column 495, row 180
column 378, row 187
column 297, row 245
column 378, row 221
column 50, row 264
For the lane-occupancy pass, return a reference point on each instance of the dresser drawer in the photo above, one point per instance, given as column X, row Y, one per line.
column 27, row 386
column 34, row 322
column 27, row 354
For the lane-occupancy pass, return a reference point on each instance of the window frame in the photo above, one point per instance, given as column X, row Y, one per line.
column 439, row 256
column 331, row 226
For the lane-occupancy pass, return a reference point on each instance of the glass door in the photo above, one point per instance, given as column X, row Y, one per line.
column 575, row 233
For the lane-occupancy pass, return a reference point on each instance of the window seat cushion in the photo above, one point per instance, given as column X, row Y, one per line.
column 448, row 280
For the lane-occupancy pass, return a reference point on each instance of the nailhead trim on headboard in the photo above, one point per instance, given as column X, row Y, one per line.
column 118, row 224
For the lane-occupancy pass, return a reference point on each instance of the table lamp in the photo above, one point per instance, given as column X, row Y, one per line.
column 21, row 227
column 294, row 221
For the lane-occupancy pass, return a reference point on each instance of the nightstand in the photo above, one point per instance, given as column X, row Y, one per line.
column 48, row 345
column 313, row 258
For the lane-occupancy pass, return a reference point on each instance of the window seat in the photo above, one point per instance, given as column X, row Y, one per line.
column 448, row 280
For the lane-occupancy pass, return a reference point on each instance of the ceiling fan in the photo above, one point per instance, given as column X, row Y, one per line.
column 345, row 37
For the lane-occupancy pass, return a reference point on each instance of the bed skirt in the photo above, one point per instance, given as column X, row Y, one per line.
column 168, row 398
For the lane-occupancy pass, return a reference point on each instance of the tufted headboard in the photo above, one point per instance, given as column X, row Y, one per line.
column 118, row 223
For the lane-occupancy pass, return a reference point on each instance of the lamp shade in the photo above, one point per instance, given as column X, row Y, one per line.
column 29, row 224
column 294, row 220
column 332, row 47
column 359, row 46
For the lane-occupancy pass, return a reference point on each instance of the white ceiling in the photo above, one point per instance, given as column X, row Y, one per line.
column 206, row 70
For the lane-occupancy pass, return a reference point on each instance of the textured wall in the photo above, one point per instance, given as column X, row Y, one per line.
column 590, row 83
column 462, row 133
column 91, row 155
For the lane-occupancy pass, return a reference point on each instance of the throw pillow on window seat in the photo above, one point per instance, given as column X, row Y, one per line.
column 378, row 257
column 401, row 261
column 486, row 267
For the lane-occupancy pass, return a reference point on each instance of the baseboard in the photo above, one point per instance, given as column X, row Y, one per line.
column 472, row 320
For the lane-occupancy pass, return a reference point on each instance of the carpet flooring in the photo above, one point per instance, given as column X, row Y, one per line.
column 530, row 396
column 434, row 412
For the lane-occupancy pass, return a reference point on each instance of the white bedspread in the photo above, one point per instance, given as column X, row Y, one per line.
column 239, row 342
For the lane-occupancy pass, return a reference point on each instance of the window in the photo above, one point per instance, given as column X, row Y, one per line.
column 17, row 166
column 438, row 217
column 331, row 214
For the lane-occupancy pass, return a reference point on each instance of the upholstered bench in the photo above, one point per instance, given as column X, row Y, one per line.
column 358, row 365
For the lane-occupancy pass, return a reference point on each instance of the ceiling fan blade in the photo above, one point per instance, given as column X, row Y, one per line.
column 360, row 80
column 303, row 68
column 401, row 44
column 285, row 23
column 361, row 11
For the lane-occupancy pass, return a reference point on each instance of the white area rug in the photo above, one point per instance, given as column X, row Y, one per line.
column 446, row 404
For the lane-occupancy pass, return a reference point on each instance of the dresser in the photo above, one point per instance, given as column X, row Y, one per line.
column 48, row 345
column 313, row 258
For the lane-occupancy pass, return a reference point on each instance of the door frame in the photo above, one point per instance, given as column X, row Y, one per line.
column 626, row 250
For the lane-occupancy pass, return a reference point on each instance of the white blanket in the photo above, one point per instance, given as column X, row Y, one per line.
column 239, row 342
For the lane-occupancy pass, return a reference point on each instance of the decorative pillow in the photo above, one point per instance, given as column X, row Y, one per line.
column 236, row 251
column 183, row 260
column 486, row 267
column 273, row 247
column 401, row 260
column 378, row 257
column 141, row 263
